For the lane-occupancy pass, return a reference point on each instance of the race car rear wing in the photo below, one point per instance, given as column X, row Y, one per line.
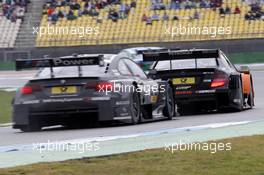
column 156, row 50
column 23, row 64
column 180, row 54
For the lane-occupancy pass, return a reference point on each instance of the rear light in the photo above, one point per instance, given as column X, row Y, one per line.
column 26, row 90
column 104, row 86
column 100, row 86
column 29, row 89
column 218, row 83
column 219, row 80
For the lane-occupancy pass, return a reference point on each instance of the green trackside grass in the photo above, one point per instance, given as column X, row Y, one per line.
column 245, row 158
column 5, row 106
column 244, row 58
column 7, row 65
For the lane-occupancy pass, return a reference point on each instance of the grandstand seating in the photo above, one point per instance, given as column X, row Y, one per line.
column 12, row 13
column 133, row 30
column 8, row 32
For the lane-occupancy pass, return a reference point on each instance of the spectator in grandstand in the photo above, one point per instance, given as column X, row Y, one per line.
column 74, row 5
column 204, row 4
column 127, row 9
column 54, row 17
column 113, row 15
column 61, row 14
column 50, row 10
column 222, row 11
column 80, row 13
column 20, row 13
column 149, row 21
column 187, row 4
column 196, row 15
column 93, row 13
column 157, row 5
column 133, row 4
column 13, row 17
column 175, row 4
column 237, row 10
column 155, row 16
column 144, row 18
column 227, row 10
column 70, row 15
column 165, row 17
column 175, row 18
column 122, row 10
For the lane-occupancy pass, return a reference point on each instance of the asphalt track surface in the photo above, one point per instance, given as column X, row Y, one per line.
column 9, row 136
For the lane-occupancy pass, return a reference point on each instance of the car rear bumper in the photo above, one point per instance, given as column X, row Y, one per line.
column 102, row 109
column 216, row 97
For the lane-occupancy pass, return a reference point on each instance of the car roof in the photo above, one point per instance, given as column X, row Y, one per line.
column 134, row 50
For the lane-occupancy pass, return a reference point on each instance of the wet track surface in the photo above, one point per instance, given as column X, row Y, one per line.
column 10, row 136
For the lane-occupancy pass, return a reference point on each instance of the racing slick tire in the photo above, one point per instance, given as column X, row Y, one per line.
column 250, row 100
column 169, row 109
column 240, row 107
column 135, row 108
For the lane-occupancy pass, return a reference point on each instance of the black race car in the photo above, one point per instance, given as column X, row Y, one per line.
column 203, row 79
column 80, row 88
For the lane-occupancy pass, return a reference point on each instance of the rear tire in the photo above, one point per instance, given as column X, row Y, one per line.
column 135, row 108
column 250, row 100
column 169, row 109
column 240, row 107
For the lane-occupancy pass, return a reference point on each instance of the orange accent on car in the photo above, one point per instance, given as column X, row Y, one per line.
column 246, row 83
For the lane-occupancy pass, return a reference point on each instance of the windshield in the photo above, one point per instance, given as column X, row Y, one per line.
column 72, row 71
column 187, row 64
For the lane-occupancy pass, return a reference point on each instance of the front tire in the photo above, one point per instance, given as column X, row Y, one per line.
column 169, row 109
column 135, row 108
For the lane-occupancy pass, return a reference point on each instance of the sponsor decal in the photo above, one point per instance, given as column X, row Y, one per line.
column 205, row 91
column 207, row 80
column 61, row 100
column 154, row 99
column 72, row 62
column 183, row 92
column 236, row 100
column 99, row 98
column 183, row 87
column 122, row 103
column 30, row 102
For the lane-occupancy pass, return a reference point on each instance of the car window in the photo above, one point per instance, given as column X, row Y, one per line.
column 136, row 70
column 187, row 64
column 122, row 68
column 223, row 63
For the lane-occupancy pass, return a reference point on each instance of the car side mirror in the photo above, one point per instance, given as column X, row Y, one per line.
column 243, row 69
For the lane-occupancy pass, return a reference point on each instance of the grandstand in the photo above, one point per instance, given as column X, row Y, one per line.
column 133, row 30
column 7, row 36
column 16, row 30
column 11, row 16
